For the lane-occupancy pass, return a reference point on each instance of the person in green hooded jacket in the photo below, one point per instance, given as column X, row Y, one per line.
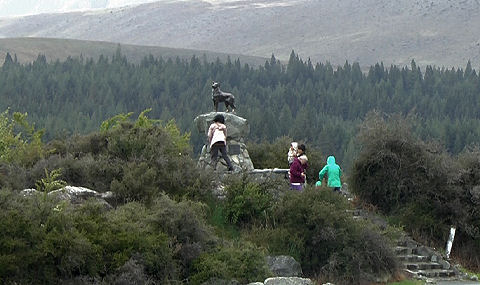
column 333, row 173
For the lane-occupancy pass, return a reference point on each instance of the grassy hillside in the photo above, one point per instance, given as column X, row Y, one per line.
column 27, row 50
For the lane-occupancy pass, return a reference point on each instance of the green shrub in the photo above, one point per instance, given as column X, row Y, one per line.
column 329, row 241
column 240, row 261
column 135, row 161
column 40, row 243
column 419, row 185
column 395, row 168
column 20, row 143
column 465, row 206
column 137, row 183
column 44, row 241
column 277, row 241
column 13, row 176
column 185, row 222
column 247, row 201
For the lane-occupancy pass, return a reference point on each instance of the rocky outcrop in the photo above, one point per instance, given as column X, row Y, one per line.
column 75, row 195
column 237, row 130
column 284, row 266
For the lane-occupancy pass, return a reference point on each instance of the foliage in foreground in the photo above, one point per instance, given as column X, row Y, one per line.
column 45, row 241
column 243, row 262
column 150, row 237
column 316, row 228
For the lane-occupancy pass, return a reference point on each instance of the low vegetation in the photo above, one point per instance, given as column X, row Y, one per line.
column 165, row 227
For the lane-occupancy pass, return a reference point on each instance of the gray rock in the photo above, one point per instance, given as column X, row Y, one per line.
column 75, row 195
column 28, row 192
column 255, row 283
column 288, row 281
column 284, row 266
column 424, row 251
column 237, row 127
column 475, row 192
column 237, row 130
column 219, row 191
column 445, row 264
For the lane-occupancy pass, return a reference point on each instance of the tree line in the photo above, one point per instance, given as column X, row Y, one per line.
column 319, row 104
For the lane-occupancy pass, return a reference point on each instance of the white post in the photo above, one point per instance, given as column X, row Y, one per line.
column 450, row 241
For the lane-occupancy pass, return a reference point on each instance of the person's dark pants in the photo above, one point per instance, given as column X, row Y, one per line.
column 219, row 146
column 336, row 189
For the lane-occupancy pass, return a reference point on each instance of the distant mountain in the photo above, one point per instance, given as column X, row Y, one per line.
column 28, row 49
column 30, row 7
column 441, row 32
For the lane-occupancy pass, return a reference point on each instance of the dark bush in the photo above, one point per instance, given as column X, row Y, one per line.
column 135, row 162
column 40, row 243
column 419, row 185
column 467, row 215
column 44, row 241
column 395, row 168
column 247, row 202
column 185, row 222
column 13, row 176
column 328, row 241
column 241, row 261
column 137, row 183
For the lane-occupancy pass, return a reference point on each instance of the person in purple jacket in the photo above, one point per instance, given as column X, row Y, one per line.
column 297, row 172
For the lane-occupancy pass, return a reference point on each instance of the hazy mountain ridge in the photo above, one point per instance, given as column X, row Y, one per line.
column 28, row 49
column 441, row 33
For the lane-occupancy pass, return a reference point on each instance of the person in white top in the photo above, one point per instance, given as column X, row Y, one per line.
column 292, row 153
column 217, row 137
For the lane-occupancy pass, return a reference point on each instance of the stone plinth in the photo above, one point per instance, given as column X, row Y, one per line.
column 237, row 130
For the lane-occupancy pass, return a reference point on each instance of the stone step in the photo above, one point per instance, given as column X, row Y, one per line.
column 410, row 258
column 403, row 250
column 436, row 273
column 407, row 243
column 423, row 266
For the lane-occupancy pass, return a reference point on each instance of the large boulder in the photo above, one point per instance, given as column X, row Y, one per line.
column 237, row 130
column 75, row 195
column 284, row 266
column 238, row 127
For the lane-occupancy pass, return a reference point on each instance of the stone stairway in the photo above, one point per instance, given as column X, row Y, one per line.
column 419, row 261
column 423, row 262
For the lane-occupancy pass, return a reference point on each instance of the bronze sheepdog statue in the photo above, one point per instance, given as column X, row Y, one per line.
column 219, row 96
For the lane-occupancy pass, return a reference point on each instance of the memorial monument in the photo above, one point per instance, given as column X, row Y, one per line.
column 237, row 131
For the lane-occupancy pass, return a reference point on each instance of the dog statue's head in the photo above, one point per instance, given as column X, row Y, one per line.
column 215, row 85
